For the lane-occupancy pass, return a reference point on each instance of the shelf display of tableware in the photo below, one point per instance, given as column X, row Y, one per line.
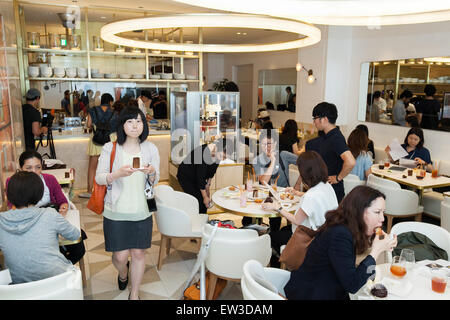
column 166, row 76
column 94, row 71
column 54, row 41
column 75, row 42
column 190, row 77
column 71, row 72
column 98, row 43
column 124, row 76
column 179, row 76
column 82, row 72
column 59, row 72
column 34, row 41
column 138, row 76
column 46, row 71
column 97, row 75
column 33, row 71
column 155, row 76
column 110, row 76
column 136, row 50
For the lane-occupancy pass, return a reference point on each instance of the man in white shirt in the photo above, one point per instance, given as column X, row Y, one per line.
column 379, row 101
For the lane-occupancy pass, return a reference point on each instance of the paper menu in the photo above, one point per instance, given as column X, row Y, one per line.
column 397, row 150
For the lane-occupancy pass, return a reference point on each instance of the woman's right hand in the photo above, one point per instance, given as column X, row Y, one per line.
column 386, row 244
column 124, row 171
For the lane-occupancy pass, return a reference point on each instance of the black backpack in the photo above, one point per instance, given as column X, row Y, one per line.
column 102, row 129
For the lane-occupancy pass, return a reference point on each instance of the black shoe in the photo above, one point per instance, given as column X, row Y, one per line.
column 123, row 284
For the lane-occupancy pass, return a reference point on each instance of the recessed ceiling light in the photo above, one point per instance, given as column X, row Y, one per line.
column 245, row 33
column 103, row 17
column 238, row 33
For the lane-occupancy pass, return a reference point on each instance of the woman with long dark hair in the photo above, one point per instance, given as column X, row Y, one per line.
column 357, row 142
column 329, row 271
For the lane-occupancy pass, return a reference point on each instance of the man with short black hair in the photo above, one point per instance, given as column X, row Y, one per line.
column 332, row 147
column 65, row 102
column 32, row 118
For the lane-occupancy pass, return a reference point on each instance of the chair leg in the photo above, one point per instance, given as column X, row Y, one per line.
column 419, row 217
column 212, row 280
column 169, row 242
column 161, row 251
column 83, row 271
column 389, row 223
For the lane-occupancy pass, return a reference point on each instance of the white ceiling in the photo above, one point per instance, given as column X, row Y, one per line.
column 102, row 11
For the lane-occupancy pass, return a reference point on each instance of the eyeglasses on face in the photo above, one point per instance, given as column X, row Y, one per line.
column 317, row 117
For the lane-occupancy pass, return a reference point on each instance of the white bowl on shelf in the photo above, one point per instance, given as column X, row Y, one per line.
column 155, row 76
column 179, row 76
column 110, row 76
column 33, row 71
column 46, row 71
column 59, row 72
column 189, row 77
column 94, row 71
column 138, row 76
column 124, row 76
column 82, row 72
column 98, row 75
column 71, row 72
column 166, row 76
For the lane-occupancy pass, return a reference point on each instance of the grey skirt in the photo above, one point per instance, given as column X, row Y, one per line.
column 124, row 235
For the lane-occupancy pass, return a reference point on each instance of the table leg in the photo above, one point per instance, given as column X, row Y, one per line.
column 257, row 220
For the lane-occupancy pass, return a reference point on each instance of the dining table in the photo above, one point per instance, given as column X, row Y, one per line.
column 402, row 177
column 415, row 285
column 229, row 201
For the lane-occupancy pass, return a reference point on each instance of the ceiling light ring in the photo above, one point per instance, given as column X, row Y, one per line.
column 312, row 34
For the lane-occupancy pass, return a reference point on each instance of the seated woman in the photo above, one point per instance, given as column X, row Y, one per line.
column 357, row 142
column 413, row 144
column 329, row 271
column 53, row 196
column 319, row 199
column 29, row 234
column 288, row 142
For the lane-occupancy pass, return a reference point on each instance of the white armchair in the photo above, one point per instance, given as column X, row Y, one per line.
column 431, row 201
column 438, row 235
column 399, row 202
column 259, row 283
column 445, row 212
column 177, row 217
column 65, row 286
column 351, row 181
column 293, row 174
column 229, row 250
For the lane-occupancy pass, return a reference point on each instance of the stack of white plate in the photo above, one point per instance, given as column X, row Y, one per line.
column 82, row 72
column 94, row 71
column 97, row 75
column 179, row 76
column 189, row 77
column 71, row 72
column 33, row 71
column 59, row 72
column 124, row 76
column 155, row 76
column 166, row 76
column 138, row 76
column 46, row 72
column 110, row 75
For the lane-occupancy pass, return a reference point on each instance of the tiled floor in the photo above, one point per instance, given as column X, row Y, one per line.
column 165, row 284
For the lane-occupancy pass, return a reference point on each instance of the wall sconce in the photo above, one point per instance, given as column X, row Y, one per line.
column 311, row 77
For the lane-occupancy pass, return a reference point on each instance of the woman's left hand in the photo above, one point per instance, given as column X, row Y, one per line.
column 419, row 161
column 148, row 169
column 63, row 209
column 268, row 206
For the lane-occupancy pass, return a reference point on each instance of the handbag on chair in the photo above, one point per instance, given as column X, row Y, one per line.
column 96, row 202
column 294, row 253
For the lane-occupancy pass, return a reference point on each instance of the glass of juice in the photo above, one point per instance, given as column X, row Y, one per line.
column 438, row 280
column 434, row 171
column 387, row 163
column 381, row 165
column 398, row 267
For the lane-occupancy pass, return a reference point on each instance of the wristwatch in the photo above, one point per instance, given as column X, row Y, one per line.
column 279, row 209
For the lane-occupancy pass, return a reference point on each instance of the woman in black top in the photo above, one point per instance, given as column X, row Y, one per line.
column 428, row 109
column 198, row 168
column 288, row 139
column 328, row 271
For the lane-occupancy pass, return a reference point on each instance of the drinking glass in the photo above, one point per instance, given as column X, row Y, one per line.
column 434, row 171
column 387, row 163
column 408, row 257
column 398, row 268
column 381, row 165
column 438, row 280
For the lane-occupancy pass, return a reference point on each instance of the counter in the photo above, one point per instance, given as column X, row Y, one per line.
column 71, row 149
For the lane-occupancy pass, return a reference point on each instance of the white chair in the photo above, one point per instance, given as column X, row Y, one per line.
column 445, row 212
column 399, row 202
column 438, row 235
column 293, row 174
column 259, row 283
column 65, row 286
column 229, row 250
column 380, row 155
column 351, row 181
column 431, row 200
column 177, row 216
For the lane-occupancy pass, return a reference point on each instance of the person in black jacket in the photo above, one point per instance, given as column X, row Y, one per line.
column 198, row 168
column 328, row 271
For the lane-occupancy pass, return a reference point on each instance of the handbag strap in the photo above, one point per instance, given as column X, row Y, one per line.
column 113, row 156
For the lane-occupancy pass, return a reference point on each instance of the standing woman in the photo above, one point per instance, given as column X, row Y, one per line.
column 127, row 223
column 357, row 142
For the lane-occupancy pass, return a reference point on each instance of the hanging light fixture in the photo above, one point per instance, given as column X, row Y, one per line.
column 311, row 78
column 311, row 34
column 298, row 66
column 339, row 12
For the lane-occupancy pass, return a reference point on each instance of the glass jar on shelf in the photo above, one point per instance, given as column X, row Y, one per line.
column 98, row 43
column 54, row 41
column 75, row 42
column 34, row 41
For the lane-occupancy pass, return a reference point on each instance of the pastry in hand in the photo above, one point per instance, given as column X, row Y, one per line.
column 136, row 163
column 379, row 233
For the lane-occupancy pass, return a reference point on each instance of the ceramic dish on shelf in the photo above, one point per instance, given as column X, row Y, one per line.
column 59, row 72
column 179, row 76
column 33, row 71
column 189, row 77
column 155, row 76
column 166, row 76
column 138, row 76
column 71, row 72
column 97, row 75
column 110, row 75
column 124, row 76
column 82, row 72
column 46, row 71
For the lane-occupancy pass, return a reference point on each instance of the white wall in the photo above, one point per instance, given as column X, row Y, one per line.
column 345, row 49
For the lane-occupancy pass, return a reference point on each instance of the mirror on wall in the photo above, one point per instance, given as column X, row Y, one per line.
column 277, row 89
column 409, row 92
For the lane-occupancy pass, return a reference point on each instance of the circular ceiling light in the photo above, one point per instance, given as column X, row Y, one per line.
column 311, row 33
column 438, row 59
column 339, row 12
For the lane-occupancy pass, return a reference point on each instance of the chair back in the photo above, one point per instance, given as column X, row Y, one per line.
column 293, row 174
column 445, row 212
column 163, row 193
column 231, row 248
column 374, row 180
column 351, row 181
column 173, row 222
column 380, row 155
column 438, row 235
column 65, row 286
column 444, row 167
column 261, row 283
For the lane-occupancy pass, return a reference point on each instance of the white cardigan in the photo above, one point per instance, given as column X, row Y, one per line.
column 150, row 155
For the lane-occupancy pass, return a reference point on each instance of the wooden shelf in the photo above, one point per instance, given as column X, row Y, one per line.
column 57, row 51
column 112, row 80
